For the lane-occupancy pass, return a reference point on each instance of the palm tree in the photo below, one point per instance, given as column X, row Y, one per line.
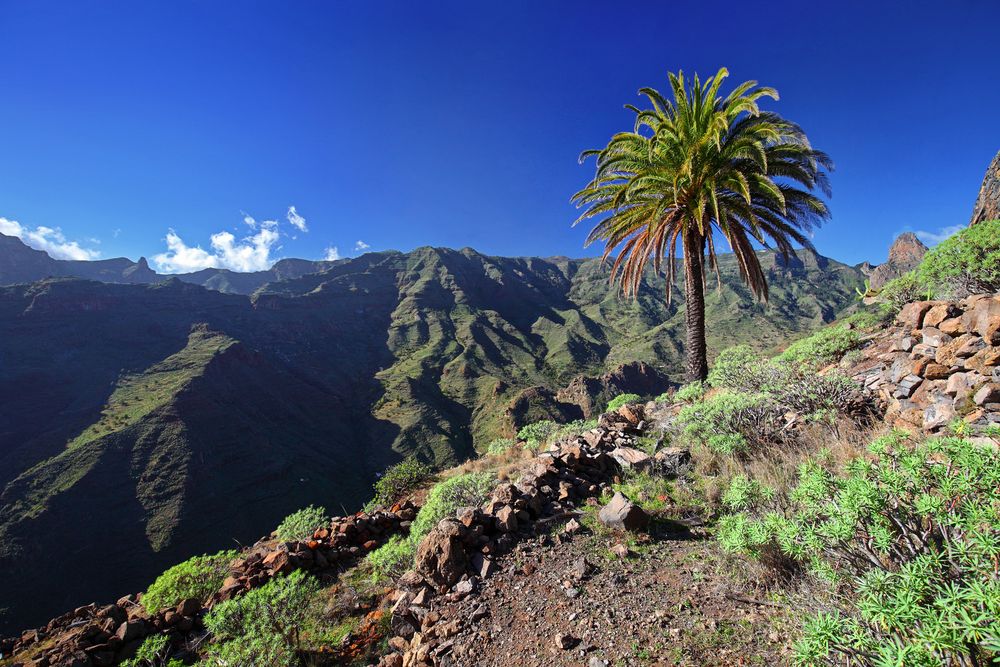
column 695, row 166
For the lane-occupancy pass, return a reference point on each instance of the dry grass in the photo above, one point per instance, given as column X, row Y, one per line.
column 777, row 466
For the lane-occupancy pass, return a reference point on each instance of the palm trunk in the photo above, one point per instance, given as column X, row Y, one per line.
column 694, row 306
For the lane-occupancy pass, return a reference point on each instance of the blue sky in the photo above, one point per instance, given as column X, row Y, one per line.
column 130, row 125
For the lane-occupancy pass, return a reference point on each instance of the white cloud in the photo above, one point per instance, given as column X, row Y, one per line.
column 332, row 254
column 933, row 238
column 48, row 239
column 361, row 246
column 252, row 253
column 249, row 222
column 115, row 233
column 296, row 220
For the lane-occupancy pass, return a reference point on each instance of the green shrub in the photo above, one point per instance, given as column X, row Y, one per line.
column 730, row 422
column 264, row 626
column 535, row 435
column 301, row 525
column 153, row 652
column 397, row 481
column 665, row 397
column 917, row 531
column 965, row 263
column 468, row 490
column 573, row 428
column 197, row 578
column 691, row 392
column 824, row 347
column 902, row 290
column 394, row 558
column 622, row 399
column 500, row 445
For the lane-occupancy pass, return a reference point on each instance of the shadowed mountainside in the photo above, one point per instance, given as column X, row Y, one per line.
column 141, row 424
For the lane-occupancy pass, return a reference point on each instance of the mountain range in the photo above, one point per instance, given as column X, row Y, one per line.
column 146, row 418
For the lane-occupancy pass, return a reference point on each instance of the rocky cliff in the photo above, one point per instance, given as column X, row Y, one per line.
column 905, row 254
column 987, row 205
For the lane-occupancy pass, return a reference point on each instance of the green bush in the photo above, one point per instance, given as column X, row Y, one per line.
column 302, row 524
column 264, row 626
column 622, row 399
column 824, row 347
column 902, row 290
column 469, row 490
column 394, row 558
column 500, row 445
column 537, row 434
column 153, row 652
column 691, row 392
column 397, row 481
column 731, row 422
column 197, row 578
column 573, row 428
column 915, row 529
column 965, row 263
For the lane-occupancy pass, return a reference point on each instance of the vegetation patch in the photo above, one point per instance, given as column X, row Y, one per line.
column 397, row 481
column 301, row 525
column 914, row 529
column 622, row 399
column 197, row 578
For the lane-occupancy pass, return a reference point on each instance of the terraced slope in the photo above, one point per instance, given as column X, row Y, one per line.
column 141, row 424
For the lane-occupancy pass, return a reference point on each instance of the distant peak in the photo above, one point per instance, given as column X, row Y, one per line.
column 906, row 249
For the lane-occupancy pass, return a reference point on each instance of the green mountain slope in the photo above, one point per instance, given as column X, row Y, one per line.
column 140, row 424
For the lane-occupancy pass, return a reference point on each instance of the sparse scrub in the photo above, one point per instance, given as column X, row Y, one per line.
column 622, row 399
column 197, row 578
column 915, row 529
column 731, row 422
column 302, row 524
column 265, row 626
column 392, row 559
column 397, row 481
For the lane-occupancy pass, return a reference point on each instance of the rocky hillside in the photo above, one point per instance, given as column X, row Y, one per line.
column 169, row 419
column 987, row 206
column 604, row 542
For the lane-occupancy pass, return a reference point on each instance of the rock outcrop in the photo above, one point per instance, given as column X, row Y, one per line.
column 988, row 202
column 905, row 254
column 938, row 365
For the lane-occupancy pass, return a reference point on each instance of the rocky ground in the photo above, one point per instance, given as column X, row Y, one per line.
column 565, row 599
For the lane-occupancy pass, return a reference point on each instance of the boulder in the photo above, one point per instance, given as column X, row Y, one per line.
column 907, row 386
column 911, row 315
column 984, row 319
column 940, row 413
column 622, row 514
column 671, row 461
column 630, row 458
column 988, row 393
column 935, row 337
column 441, row 558
column 940, row 312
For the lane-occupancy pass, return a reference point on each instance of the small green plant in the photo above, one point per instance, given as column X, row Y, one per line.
column 301, row 525
column 397, row 481
column 622, row 399
column 536, row 434
column 729, row 422
column 392, row 559
column 264, row 626
column 916, row 529
column 468, row 490
column 500, row 445
column 826, row 346
column 691, row 392
column 196, row 578
column 902, row 290
column 965, row 263
column 651, row 492
column 153, row 652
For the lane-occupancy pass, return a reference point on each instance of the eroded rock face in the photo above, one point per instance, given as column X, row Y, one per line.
column 988, row 202
column 905, row 254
